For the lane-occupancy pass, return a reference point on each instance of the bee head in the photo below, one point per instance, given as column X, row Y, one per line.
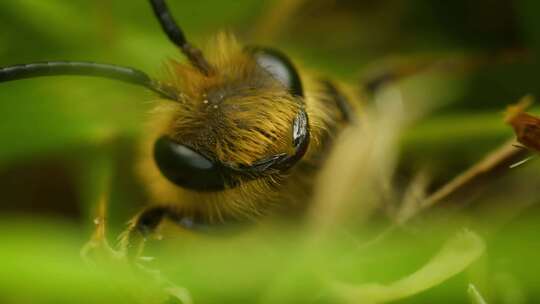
column 237, row 114
column 243, row 120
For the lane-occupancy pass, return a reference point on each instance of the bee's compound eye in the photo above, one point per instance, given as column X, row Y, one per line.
column 187, row 168
column 280, row 67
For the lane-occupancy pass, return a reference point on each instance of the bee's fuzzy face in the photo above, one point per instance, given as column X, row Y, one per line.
column 238, row 114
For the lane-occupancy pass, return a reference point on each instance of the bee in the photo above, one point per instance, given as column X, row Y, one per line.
column 238, row 132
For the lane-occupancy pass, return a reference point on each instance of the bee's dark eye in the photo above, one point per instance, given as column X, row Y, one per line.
column 187, row 168
column 280, row 67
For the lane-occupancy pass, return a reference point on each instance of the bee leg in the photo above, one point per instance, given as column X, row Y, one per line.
column 141, row 227
column 132, row 242
column 377, row 78
column 98, row 247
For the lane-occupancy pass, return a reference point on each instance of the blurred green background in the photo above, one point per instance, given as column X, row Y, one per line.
column 62, row 137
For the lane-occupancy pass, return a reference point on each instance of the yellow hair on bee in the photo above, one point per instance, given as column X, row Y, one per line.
column 238, row 114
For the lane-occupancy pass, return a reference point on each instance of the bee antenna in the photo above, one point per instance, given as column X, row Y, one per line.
column 175, row 34
column 83, row 68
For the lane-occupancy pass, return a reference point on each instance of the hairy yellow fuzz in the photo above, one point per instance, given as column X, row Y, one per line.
column 239, row 114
